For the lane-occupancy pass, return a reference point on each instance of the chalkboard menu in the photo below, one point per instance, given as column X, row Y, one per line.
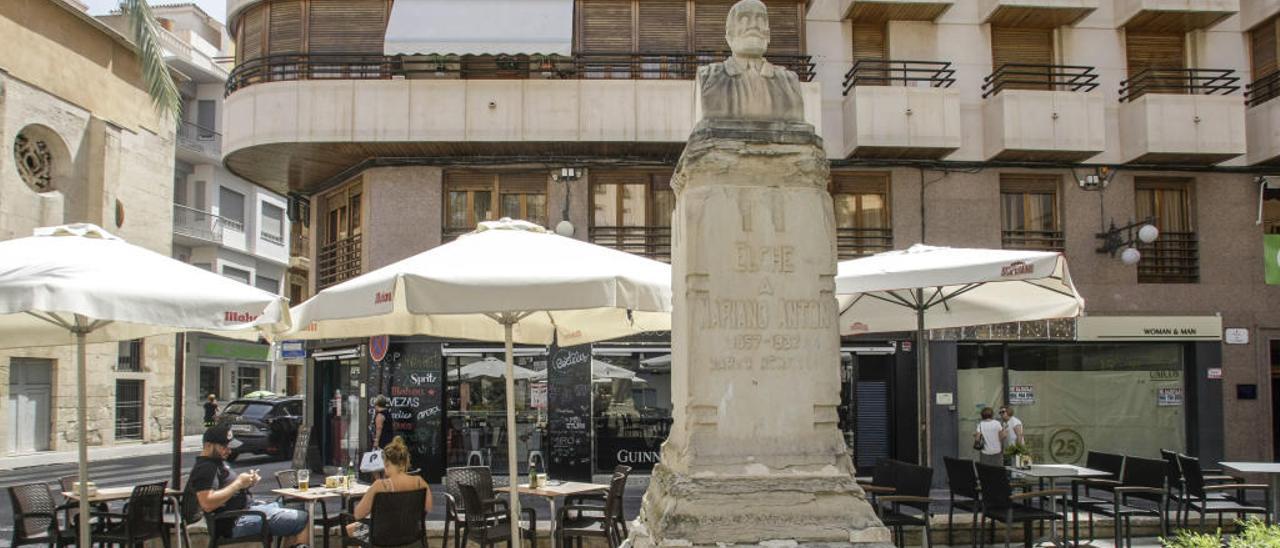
column 569, row 413
column 416, row 397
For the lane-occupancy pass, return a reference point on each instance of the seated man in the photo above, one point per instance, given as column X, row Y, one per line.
column 218, row 490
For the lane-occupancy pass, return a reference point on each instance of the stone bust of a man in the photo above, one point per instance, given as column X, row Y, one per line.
column 746, row 86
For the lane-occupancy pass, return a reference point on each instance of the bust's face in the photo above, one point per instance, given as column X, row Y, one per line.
column 747, row 29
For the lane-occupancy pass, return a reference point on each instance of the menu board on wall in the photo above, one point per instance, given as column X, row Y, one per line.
column 569, row 413
column 416, row 398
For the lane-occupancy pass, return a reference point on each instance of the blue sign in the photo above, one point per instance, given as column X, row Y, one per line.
column 292, row 349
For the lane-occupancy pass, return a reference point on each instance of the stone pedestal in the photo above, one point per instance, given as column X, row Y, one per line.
column 754, row 455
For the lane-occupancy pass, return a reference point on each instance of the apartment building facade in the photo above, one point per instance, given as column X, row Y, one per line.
column 81, row 144
column 1018, row 124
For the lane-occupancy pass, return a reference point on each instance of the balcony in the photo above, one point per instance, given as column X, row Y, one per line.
column 196, row 227
column 1035, row 13
column 1043, row 113
column 294, row 122
column 901, row 109
column 1173, row 258
column 1173, row 15
column 198, row 144
column 653, row 242
column 1181, row 116
column 1263, row 119
column 852, row 243
column 1037, row 240
column 879, row 11
column 337, row 262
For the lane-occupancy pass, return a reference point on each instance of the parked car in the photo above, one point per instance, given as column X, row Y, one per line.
column 264, row 426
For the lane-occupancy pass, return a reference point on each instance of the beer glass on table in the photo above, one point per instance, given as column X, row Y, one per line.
column 304, row 479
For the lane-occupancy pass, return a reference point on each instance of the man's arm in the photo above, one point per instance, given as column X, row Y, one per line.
column 213, row 499
column 1018, row 430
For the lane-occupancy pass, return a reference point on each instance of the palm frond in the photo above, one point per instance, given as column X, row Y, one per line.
column 155, row 72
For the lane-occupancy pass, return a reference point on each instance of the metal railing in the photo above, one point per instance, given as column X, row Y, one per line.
column 199, row 139
column 1182, row 81
column 878, row 72
column 201, row 225
column 1039, row 240
column 1039, row 77
column 1262, row 90
column 337, row 262
column 852, row 243
column 1173, row 258
column 653, row 242
column 621, row 65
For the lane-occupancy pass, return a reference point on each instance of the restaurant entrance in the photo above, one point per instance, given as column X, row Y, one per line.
column 870, row 392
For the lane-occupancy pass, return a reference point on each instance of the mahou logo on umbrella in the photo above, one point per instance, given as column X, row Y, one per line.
column 231, row 316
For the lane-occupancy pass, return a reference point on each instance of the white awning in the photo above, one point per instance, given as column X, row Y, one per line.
column 480, row 27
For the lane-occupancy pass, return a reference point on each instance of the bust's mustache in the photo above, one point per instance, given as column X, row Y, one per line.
column 753, row 33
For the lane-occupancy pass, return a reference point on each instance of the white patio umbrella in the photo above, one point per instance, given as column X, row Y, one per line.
column 601, row 372
column 491, row 368
column 926, row 287
column 78, row 284
column 509, row 281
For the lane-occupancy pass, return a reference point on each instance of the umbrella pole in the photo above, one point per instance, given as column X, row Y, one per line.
column 512, row 469
column 81, row 419
column 922, row 369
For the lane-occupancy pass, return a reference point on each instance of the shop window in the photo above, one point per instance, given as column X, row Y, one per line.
column 1174, row 257
column 211, row 382
column 473, row 197
column 631, row 211
column 1029, row 216
column 129, row 395
column 861, row 202
column 248, row 380
column 129, row 356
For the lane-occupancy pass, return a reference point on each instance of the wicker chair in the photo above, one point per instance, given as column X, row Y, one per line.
column 478, row 477
column 397, row 519
column 962, row 481
column 35, row 519
column 1199, row 500
column 142, row 520
column 911, row 491
column 599, row 516
column 489, row 522
column 1000, row 504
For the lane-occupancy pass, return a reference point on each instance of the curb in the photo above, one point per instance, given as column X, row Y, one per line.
column 46, row 458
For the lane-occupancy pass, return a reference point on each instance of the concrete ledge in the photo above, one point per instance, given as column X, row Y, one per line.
column 189, row 443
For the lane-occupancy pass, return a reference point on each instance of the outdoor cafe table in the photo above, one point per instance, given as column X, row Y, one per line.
column 552, row 490
column 1271, row 469
column 315, row 494
column 1051, row 473
column 116, row 494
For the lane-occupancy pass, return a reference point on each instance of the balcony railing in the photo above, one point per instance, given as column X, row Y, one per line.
column 637, row 66
column 199, row 139
column 1173, row 258
column 337, row 262
column 852, row 243
column 1262, row 90
column 200, row 224
column 1179, row 81
column 1039, row 77
column 877, row 72
column 1039, row 240
column 653, row 242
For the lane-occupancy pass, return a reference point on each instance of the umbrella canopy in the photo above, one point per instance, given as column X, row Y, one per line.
column 260, row 394
column 953, row 287
column 601, row 372
column 78, row 284
column 489, row 368
column 508, row 281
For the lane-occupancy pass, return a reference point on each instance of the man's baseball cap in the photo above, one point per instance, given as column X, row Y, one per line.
column 221, row 435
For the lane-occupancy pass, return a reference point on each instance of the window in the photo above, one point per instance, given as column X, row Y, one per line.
column 473, row 197
column 270, row 285
column 861, row 202
column 293, row 379
column 1029, row 212
column 231, row 208
column 631, row 211
column 338, row 253
column 242, row 276
column 248, row 381
column 129, row 357
column 210, row 382
column 1030, row 46
column 272, row 223
column 129, row 395
column 206, row 119
column 1157, row 60
column 1174, row 256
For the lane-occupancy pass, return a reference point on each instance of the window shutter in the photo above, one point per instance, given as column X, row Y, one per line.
column 468, row 180
column 784, row 27
column 347, row 26
column 1029, row 182
column 708, row 25
column 286, row 27
column 664, row 26
column 1155, row 50
column 869, row 42
column 523, row 183
column 606, row 26
column 254, row 24
column 1262, row 48
column 1021, row 45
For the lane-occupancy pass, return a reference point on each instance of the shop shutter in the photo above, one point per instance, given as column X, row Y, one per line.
column 785, row 24
column 1262, row 48
column 871, row 441
column 1021, row 45
column 286, row 27
column 253, row 25
column 664, row 26
column 347, row 26
column 708, row 25
column 1155, row 50
column 606, row 26
column 869, row 41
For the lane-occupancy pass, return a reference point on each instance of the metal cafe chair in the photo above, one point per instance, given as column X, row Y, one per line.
column 489, row 522
column 1143, row 480
column 911, row 491
column 962, row 481
column 142, row 519
column 1000, row 504
column 881, row 480
column 1199, row 501
column 397, row 519
column 35, row 519
column 479, row 477
column 1082, row 489
column 1176, row 485
column 581, row 518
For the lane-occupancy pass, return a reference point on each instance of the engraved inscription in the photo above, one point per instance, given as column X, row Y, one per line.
column 764, row 258
column 807, row 314
column 735, row 314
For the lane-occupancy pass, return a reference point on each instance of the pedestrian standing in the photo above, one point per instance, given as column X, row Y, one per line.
column 382, row 431
column 1012, row 427
column 987, row 437
column 210, row 410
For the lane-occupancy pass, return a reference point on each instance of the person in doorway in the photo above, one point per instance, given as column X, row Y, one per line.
column 395, row 458
column 213, row 488
column 1012, row 427
column 382, row 431
column 989, row 433
column 210, row 410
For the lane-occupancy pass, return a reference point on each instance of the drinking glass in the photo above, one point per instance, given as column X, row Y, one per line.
column 304, row 479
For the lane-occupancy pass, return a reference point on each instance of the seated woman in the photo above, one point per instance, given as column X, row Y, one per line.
column 395, row 458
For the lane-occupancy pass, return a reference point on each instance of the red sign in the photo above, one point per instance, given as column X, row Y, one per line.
column 378, row 347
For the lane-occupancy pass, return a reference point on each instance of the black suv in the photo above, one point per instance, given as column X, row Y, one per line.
column 264, row 426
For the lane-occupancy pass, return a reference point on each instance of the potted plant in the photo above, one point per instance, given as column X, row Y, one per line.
column 1020, row 453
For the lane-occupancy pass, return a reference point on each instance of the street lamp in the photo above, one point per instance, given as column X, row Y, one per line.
column 1125, row 238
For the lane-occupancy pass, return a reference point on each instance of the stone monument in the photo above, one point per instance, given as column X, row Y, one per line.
column 754, row 455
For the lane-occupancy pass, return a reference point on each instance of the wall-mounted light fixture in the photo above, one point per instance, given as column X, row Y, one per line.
column 1098, row 179
column 565, row 176
column 1125, row 238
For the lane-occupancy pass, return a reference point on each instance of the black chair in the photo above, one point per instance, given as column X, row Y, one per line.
column 488, row 523
column 1143, row 481
column 1113, row 465
column 142, row 519
column 911, row 491
column 881, row 480
column 288, row 479
column 1176, row 486
column 583, row 516
column 35, row 519
column 1198, row 499
column 962, row 481
column 480, row 478
column 397, row 519
column 67, row 484
column 1000, row 504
